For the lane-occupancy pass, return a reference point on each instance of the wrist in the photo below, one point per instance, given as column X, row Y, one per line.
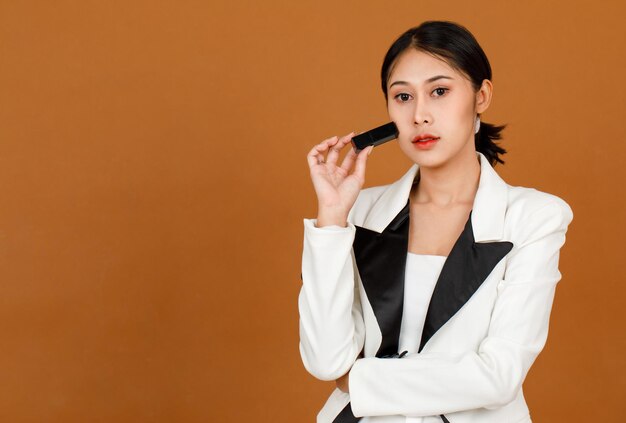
column 330, row 218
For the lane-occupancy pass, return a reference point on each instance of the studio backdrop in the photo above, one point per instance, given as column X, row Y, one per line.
column 153, row 182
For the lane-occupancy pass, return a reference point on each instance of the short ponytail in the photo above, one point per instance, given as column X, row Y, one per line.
column 485, row 142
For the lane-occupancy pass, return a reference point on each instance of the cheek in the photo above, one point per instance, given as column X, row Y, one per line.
column 464, row 107
column 392, row 111
column 401, row 115
column 455, row 115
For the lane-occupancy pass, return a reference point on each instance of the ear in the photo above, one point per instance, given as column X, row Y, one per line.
column 483, row 96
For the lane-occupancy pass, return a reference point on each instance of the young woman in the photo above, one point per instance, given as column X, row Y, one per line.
column 428, row 299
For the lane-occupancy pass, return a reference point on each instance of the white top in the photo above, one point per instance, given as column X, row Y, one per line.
column 421, row 274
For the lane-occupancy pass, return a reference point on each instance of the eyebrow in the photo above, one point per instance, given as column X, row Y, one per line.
column 429, row 80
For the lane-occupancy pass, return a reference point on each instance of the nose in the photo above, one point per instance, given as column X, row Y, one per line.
column 422, row 114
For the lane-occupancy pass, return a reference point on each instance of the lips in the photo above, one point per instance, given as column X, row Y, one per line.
column 424, row 138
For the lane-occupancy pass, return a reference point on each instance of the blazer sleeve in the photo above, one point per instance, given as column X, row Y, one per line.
column 437, row 383
column 331, row 320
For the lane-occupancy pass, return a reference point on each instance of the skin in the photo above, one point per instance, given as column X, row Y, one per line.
column 449, row 172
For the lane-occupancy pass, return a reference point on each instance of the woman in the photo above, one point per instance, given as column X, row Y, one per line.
column 428, row 299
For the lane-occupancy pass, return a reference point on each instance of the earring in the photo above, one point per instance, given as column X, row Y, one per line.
column 477, row 125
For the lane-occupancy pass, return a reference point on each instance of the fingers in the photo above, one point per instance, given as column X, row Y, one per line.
column 333, row 154
column 361, row 159
column 348, row 161
column 332, row 145
column 316, row 155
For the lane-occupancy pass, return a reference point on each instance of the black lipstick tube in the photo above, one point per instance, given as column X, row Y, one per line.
column 376, row 136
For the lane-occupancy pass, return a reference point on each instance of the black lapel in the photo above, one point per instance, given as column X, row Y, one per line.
column 465, row 269
column 381, row 260
column 346, row 416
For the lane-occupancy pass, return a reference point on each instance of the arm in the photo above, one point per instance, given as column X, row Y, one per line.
column 435, row 383
column 331, row 322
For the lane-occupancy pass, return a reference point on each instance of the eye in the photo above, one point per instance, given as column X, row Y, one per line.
column 440, row 91
column 404, row 97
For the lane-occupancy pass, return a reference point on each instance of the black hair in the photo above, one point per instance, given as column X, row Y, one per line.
column 458, row 47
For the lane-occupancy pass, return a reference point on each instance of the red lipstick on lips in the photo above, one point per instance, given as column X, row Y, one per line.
column 425, row 141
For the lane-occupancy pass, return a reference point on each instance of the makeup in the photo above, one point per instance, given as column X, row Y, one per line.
column 425, row 141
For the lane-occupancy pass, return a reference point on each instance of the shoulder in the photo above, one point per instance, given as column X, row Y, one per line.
column 524, row 200
column 530, row 210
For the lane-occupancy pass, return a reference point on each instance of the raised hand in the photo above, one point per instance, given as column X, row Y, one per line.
column 337, row 187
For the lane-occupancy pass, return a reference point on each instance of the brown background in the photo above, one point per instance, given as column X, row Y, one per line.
column 153, row 183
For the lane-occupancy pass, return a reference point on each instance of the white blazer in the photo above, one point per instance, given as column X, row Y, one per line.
column 486, row 323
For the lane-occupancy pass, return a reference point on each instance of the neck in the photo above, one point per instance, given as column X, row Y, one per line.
column 454, row 183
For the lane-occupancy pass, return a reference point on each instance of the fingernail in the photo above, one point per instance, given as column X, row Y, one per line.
column 371, row 149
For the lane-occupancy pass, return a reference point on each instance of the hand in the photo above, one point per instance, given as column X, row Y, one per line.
column 343, row 383
column 336, row 187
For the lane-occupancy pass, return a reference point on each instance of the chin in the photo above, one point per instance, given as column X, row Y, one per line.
column 427, row 158
column 430, row 162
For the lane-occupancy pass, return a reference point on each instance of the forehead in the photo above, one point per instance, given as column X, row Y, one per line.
column 416, row 66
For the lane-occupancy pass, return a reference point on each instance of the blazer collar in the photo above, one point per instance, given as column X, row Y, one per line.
column 488, row 209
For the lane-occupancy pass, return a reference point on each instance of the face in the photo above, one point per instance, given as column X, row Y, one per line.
column 427, row 96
